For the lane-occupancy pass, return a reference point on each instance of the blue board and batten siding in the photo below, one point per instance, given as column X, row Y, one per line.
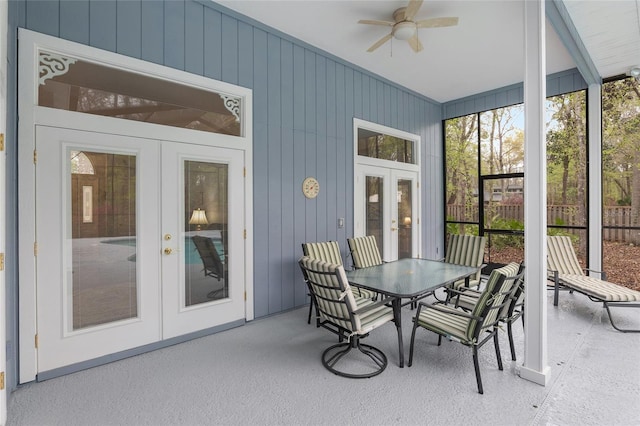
column 557, row 84
column 304, row 102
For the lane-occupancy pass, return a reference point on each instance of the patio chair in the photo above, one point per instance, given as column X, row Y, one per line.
column 466, row 250
column 364, row 251
column 475, row 328
column 212, row 265
column 329, row 251
column 467, row 298
column 565, row 272
column 339, row 313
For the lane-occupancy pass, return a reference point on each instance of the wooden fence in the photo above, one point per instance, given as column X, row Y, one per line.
column 613, row 218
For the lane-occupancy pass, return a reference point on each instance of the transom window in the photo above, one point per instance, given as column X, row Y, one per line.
column 77, row 85
column 385, row 147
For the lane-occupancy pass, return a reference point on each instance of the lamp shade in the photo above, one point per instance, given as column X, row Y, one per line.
column 198, row 217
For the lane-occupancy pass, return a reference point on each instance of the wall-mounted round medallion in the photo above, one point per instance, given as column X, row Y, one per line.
column 310, row 187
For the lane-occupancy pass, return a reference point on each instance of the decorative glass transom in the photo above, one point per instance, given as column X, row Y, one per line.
column 76, row 85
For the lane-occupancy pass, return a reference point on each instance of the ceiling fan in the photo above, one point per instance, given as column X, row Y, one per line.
column 404, row 27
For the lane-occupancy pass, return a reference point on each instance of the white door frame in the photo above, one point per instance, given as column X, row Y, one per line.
column 4, row 42
column 31, row 115
column 390, row 170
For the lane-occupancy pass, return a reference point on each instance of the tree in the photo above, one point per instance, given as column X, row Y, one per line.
column 621, row 142
column 502, row 141
column 461, row 159
column 567, row 149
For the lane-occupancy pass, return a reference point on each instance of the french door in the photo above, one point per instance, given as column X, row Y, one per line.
column 116, row 223
column 387, row 206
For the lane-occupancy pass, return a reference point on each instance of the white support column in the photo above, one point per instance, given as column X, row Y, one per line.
column 594, row 118
column 535, row 366
column 4, row 39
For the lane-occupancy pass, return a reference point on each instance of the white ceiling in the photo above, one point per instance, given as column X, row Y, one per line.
column 483, row 52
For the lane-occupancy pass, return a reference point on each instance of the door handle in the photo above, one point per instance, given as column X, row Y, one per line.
column 394, row 229
column 168, row 250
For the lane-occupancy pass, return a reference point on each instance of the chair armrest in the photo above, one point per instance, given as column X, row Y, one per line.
column 447, row 311
column 465, row 290
column 364, row 309
column 454, row 294
column 603, row 274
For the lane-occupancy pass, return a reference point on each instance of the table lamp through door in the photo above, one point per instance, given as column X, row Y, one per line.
column 198, row 218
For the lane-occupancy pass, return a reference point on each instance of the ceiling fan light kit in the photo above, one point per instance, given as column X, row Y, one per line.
column 403, row 27
column 635, row 72
column 404, row 30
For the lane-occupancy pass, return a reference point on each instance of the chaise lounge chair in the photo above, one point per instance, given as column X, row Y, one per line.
column 565, row 271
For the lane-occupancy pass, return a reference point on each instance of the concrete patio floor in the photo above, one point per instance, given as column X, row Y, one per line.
column 268, row 372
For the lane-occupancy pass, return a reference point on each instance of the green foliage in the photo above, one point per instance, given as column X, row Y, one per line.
column 500, row 241
column 553, row 232
column 462, row 229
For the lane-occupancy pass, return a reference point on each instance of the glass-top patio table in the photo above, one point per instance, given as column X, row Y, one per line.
column 408, row 278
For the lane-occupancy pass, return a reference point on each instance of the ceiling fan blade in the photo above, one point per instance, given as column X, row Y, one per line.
column 437, row 22
column 415, row 44
column 412, row 9
column 374, row 22
column 380, row 42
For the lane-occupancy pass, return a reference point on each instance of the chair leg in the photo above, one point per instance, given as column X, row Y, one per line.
column 477, row 368
column 626, row 305
column 497, row 346
column 335, row 353
column 310, row 309
column 439, row 339
column 511, row 345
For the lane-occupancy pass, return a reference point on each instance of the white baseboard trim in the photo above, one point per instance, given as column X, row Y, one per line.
column 539, row 377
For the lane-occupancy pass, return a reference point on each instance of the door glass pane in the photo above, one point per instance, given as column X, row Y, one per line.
column 103, row 237
column 205, row 225
column 405, row 219
column 374, row 203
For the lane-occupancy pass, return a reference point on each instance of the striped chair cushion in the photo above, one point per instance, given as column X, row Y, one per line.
column 467, row 300
column 364, row 251
column 363, row 293
column 332, row 298
column 467, row 250
column 337, row 302
column 452, row 326
column 510, row 270
column 328, row 251
column 461, row 328
column 599, row 289
column 372, row 318
column 561, row 256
